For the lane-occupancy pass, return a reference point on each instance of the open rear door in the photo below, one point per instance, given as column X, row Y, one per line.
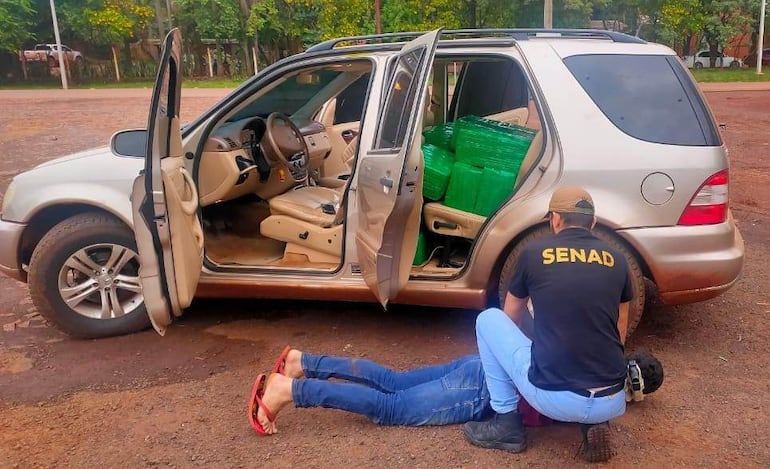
column 169, row 235
column 390, row 175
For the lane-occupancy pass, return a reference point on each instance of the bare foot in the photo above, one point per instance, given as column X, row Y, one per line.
column 277, row 396
column 294, row 364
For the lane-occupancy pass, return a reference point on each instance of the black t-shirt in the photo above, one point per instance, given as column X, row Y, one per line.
column 576, row 282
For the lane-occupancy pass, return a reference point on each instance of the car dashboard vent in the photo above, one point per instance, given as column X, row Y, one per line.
column 231, row 142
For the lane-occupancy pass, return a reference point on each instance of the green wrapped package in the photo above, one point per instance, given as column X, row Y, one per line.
column 440, row 135
column 438, row 168
column 463, row 187
column 491, row 144
column 422, row 253
column 496, row 186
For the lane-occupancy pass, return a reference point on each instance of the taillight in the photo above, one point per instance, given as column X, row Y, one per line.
column 709, row 205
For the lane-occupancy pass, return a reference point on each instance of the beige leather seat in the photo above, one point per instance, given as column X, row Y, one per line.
column 453, row 222
column 313, row 204
column 309, row 220
column 348, row 157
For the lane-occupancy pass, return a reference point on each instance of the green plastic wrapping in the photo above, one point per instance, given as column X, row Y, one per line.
column 463, row 187
column 490, row 144
column 440, row 135
column 438, row 168
column 422, row 253
column 495, row 187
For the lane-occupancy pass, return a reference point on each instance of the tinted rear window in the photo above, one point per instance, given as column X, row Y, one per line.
column 649, row 97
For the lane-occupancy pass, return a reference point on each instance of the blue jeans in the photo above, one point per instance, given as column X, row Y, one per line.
column 438, row 395
column 506, row 354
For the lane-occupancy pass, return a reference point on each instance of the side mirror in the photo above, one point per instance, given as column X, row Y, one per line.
column 131, row 143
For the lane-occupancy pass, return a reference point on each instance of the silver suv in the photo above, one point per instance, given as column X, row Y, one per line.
column 376, row 169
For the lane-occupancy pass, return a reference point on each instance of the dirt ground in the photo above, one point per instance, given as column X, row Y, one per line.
column 179, row 401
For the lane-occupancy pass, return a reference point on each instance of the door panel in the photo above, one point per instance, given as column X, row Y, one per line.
column 389, row 187
column 168, row 232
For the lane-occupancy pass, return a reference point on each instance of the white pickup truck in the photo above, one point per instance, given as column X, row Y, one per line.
column 49, row 53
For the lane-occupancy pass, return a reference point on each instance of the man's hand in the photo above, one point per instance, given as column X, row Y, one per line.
column 516, row 309
column 623, row 321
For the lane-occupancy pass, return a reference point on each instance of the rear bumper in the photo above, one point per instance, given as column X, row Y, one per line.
column 10, row 239
column 690, row 263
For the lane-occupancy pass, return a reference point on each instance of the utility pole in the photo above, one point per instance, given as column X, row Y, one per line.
column 761, row 39
column 377, row 19
column 60, row 52
column 548, row 14
column 168, row 15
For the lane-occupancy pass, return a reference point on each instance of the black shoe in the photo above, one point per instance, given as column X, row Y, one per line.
column 597, row 442
column 502, row 431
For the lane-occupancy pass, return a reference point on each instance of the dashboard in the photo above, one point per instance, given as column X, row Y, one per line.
column 233, row 165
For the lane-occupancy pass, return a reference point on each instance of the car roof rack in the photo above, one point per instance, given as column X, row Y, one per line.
column 519, row 34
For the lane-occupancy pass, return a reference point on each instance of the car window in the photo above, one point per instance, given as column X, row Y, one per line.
column 350, row 103
column 395, row 116
column 488, row 87
column 648, row 97
column 289, row 96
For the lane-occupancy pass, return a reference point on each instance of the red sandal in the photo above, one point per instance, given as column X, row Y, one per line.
column 280, row 363
column 255, row 403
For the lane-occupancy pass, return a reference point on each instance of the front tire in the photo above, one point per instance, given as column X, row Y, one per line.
column 698, row 65
column 636, row 308
column 84, row 278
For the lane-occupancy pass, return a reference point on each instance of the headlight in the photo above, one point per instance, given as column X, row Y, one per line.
column 8, row 196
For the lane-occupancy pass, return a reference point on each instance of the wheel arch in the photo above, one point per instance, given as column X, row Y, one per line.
column 47, row 217
column 494, row 279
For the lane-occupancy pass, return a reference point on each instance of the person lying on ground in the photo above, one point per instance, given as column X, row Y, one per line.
column 449, row 393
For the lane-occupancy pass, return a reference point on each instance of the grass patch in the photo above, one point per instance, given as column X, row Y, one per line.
column 726, row 75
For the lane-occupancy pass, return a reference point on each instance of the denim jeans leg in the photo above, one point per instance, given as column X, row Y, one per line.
column 374, row 375
column 457, row 397
column 506, row 353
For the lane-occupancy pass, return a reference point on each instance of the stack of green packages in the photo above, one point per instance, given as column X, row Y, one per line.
column 440, row 135
column 438, row 167
column 422, row 252
column 490, row 144
column 496, row 186
column 464, row 185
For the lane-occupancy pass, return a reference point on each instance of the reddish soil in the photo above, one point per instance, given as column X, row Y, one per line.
column 179, row 401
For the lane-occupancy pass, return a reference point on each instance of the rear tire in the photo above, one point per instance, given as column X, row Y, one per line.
column 734, row 65
column 92, row 237
column 636, row 308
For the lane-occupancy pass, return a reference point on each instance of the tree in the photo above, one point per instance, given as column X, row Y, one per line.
column 724, row 20
column 421, row 15
column 680, row 20
column 16, row 16
column 105, row 22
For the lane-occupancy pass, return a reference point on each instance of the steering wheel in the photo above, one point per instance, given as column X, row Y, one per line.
column 286, row 144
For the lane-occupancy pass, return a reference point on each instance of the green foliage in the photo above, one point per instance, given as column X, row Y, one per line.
column 419, row 15
column 16, row 20
column 725, row 19
column 210, row 19
column 104, row 21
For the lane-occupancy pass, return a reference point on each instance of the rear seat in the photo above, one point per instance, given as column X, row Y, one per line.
column 450, row 221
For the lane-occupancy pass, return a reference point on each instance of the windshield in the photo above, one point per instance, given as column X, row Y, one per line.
column 289, row 96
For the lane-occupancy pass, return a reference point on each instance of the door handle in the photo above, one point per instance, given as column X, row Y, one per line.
column 348, row 135
column 386, row 182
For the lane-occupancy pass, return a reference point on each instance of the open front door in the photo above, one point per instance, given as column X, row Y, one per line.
column 169, row 235
column 390, row 175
